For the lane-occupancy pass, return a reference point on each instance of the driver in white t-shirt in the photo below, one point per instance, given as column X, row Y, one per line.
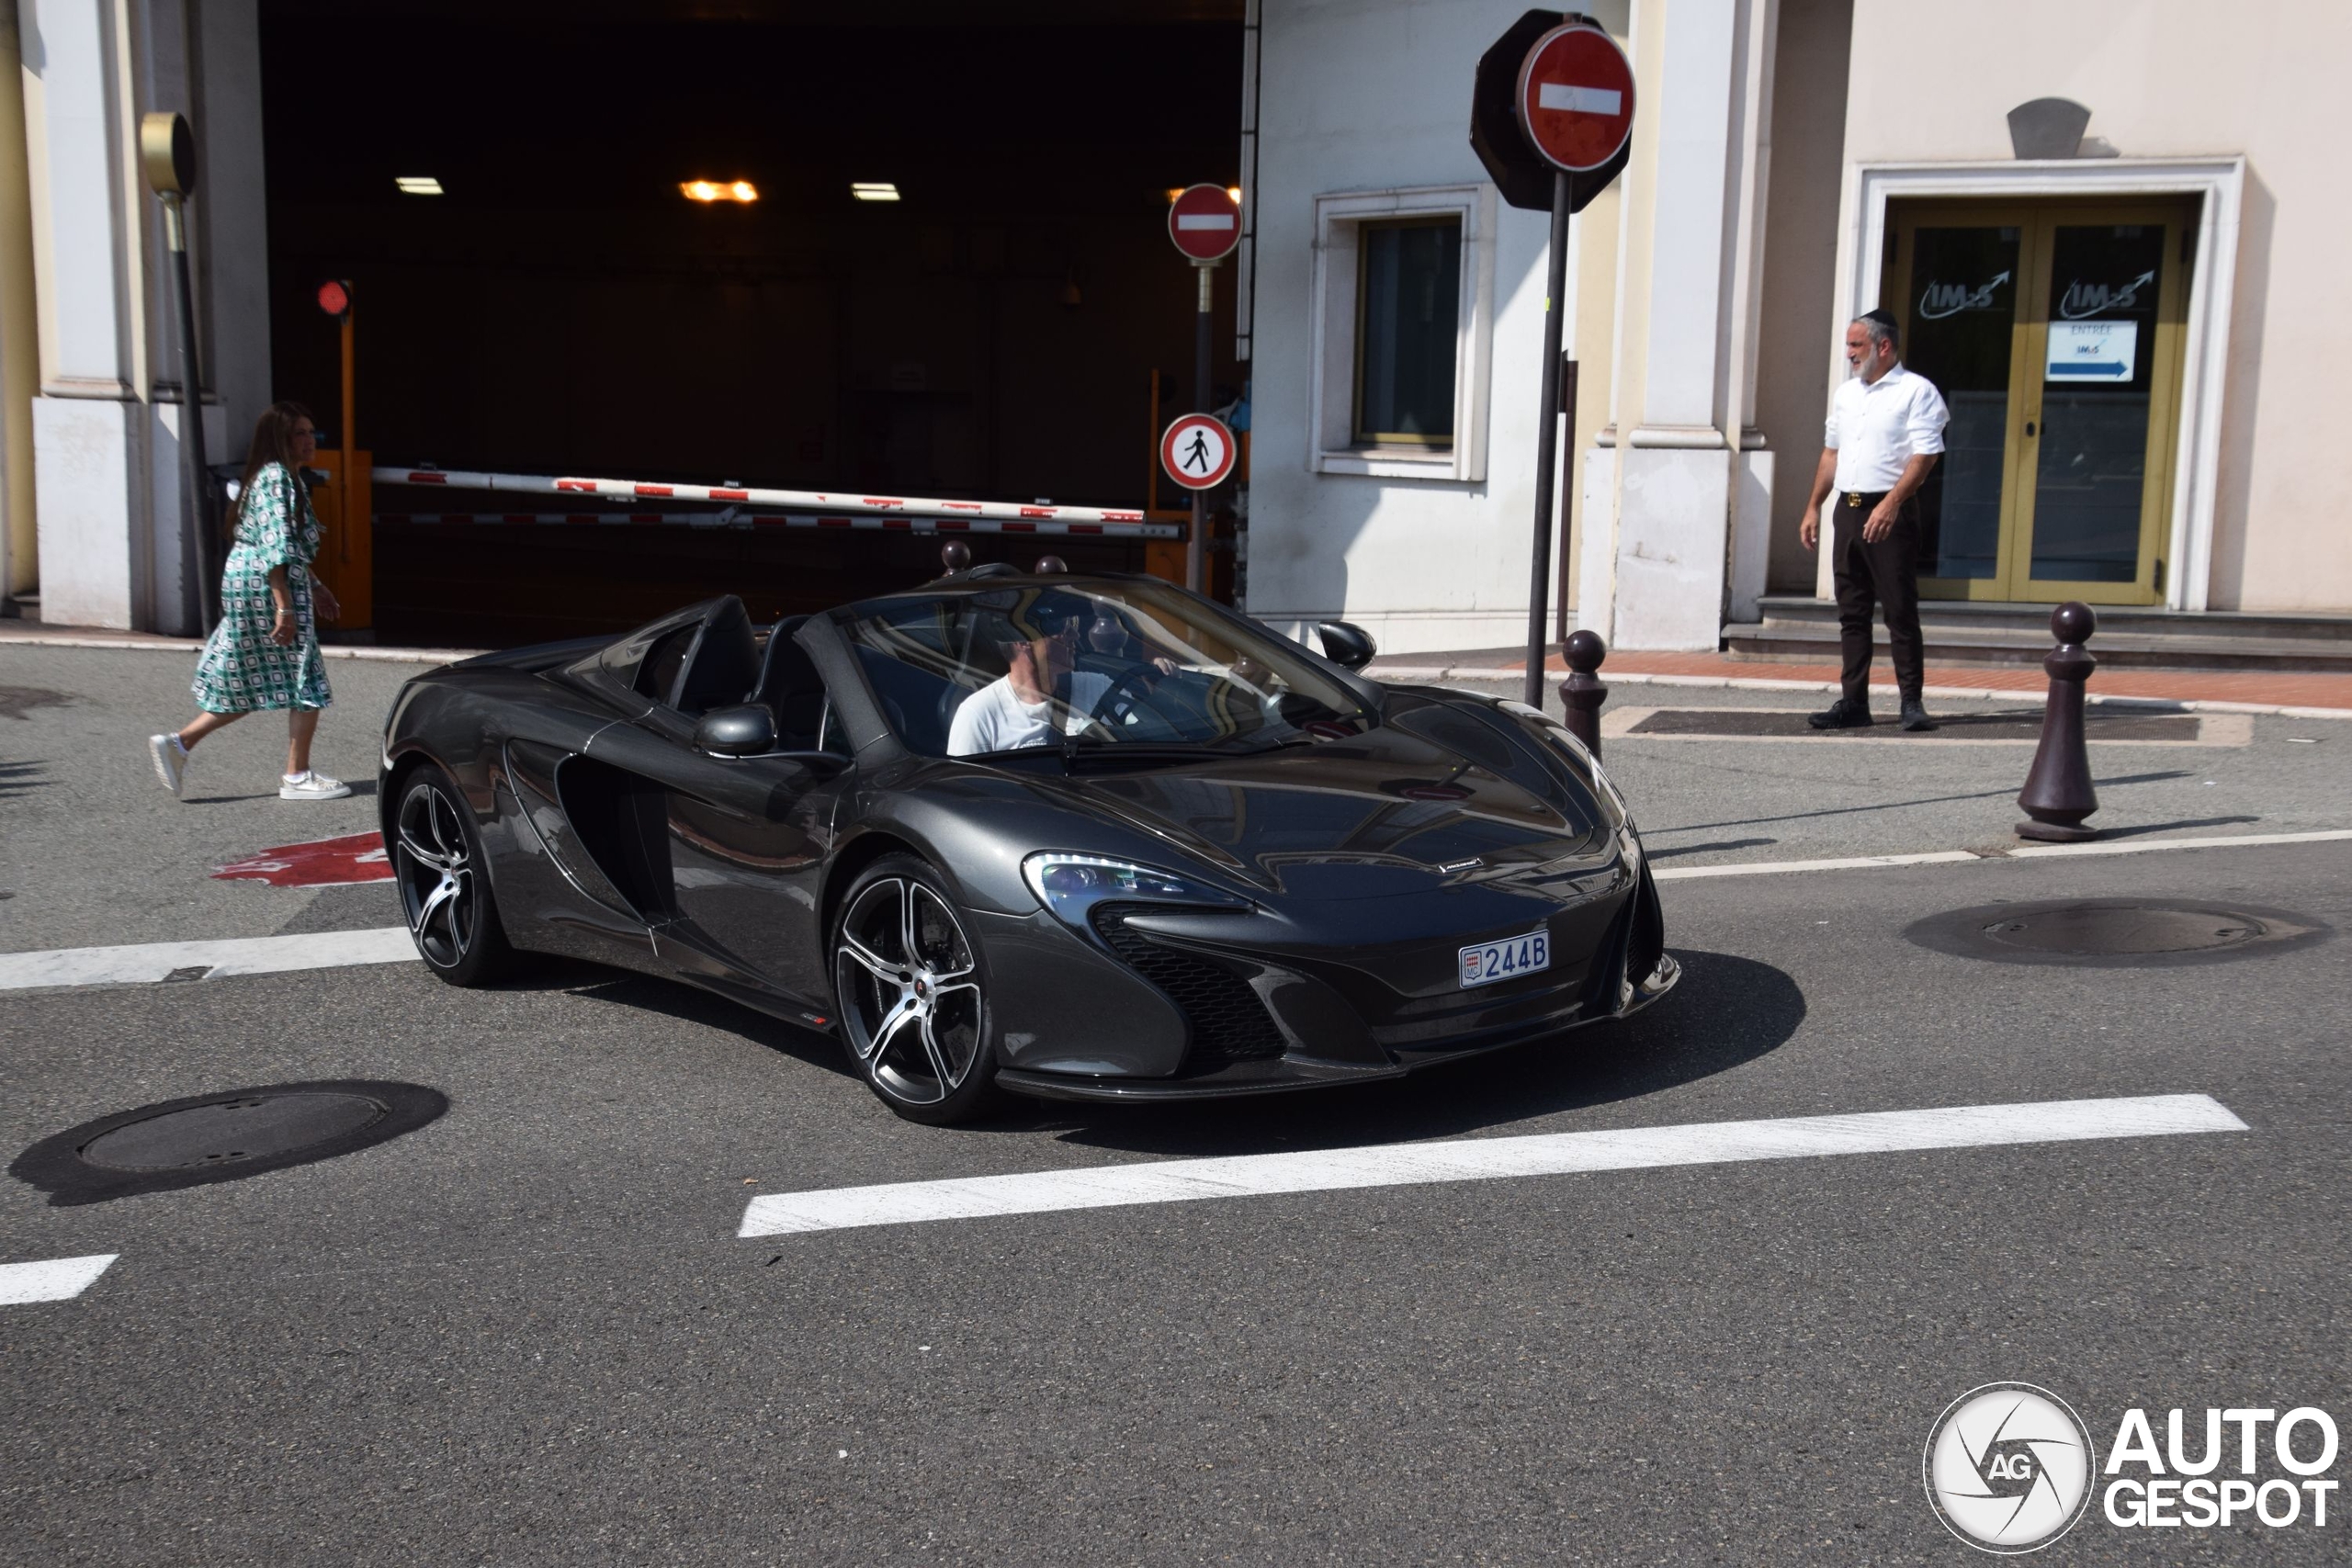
column 1016, row 709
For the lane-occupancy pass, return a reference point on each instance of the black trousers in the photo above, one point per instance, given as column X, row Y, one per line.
column 1886, row 573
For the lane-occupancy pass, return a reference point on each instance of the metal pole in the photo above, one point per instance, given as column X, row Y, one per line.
column 346, row 488
column 1547, row 442
column 1196, row 541
column 199, row 488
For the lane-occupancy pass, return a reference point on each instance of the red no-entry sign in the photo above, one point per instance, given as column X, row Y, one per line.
column 1198, row 451
column 1575, row 98
column 1204, row 223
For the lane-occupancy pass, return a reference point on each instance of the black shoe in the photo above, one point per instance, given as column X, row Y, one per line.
column 1915, row 715
column 1843, row 714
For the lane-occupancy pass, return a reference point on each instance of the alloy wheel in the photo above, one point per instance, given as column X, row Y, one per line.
column 909, row 989
column 438, row 875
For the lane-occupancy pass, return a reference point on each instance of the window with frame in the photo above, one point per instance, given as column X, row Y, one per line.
column 1409, row 305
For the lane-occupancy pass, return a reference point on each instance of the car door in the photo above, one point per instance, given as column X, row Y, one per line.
column 747, row 840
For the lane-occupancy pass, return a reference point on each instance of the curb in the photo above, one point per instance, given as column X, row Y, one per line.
column 1941, row 694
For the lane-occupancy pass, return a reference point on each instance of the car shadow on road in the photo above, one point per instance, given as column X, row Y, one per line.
column 676, row 998
column 1727, row 1011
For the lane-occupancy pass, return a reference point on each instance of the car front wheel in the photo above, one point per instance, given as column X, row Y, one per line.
column 911, row 991
column 444, row 887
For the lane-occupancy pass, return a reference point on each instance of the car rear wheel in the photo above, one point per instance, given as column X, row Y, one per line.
column 444, row 887
column 911, row 988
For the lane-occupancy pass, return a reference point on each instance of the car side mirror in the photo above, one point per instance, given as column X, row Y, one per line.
column 744, row 731
column 1345, row 644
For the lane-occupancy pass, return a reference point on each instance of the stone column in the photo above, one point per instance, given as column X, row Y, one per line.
column 1676, row 471
column 106, row 421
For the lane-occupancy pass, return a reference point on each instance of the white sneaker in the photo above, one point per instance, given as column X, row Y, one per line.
column 312, row 786
column 171, row 760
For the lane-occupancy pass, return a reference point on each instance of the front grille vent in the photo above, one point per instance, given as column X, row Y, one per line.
column 1229, row 1023
column 1646, row 944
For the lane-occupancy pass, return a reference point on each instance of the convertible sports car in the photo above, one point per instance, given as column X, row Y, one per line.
column 1079, row 837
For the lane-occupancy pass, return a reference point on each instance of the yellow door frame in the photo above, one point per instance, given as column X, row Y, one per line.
column 2037, row 224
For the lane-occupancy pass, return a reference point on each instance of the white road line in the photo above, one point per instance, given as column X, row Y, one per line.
column 58, row 1279
column 235, row 955
column 2140, row 846
column 1773, row 867
column 1485, row 1159
column 2023, row 852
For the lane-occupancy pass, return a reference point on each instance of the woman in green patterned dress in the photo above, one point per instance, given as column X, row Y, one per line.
column 264, row 653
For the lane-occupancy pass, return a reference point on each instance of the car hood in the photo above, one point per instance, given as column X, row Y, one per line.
column 1439, row 796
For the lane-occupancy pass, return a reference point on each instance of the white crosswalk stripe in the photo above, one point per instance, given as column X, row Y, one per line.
column 1485, row 1159
column 204, row 960
column 52, row 1280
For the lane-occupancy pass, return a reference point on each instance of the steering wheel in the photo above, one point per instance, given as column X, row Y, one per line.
column 1118, row 704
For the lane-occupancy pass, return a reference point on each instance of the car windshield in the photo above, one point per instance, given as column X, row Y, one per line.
column 972, row 673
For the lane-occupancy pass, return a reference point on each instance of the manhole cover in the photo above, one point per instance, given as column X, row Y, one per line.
column 2114, row 931
column 249, row 1127
column 220, row 1137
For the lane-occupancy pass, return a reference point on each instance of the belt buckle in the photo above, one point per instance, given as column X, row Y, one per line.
column 1853, row 498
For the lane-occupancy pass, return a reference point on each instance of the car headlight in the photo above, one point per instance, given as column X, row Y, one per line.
column 1071, row 885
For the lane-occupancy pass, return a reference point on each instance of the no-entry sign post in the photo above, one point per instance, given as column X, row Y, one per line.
column 1554, row 94
column 1204, row 221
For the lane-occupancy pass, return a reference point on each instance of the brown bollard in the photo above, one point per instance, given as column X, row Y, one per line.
column 1051, row 566
column 956, row 554
column 1582, row 693
column 2058, row 793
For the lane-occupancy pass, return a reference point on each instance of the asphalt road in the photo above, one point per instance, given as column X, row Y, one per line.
column 94, row 852
column 527, row 1333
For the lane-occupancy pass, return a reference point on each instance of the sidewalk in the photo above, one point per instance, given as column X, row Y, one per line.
column 2253, row 690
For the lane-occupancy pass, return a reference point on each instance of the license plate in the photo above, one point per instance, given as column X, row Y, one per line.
column 1489, row 962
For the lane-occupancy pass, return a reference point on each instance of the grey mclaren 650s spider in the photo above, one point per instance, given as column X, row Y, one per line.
column 1082, row 837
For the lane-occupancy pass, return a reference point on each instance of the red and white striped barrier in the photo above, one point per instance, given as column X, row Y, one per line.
column 1099, row 519
column 733, row 519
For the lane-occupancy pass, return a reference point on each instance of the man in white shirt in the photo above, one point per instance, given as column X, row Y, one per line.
column 1017, row 708
column 1885, row 431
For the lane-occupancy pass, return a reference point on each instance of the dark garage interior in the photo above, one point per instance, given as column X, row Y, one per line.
column 562, row 308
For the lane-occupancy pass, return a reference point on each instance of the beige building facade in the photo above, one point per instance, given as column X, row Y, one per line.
column 2108, row 229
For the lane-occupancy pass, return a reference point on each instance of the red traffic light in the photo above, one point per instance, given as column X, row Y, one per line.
column 334, row 297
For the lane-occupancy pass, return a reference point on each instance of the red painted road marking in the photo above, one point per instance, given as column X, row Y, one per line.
column 322, row 863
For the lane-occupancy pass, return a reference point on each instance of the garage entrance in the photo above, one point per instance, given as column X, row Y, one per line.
column 951, row 277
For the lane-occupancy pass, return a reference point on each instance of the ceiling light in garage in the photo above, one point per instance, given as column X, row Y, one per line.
column 1235, row 192
column 417, row 185
column 715, row 190
column 874, row 191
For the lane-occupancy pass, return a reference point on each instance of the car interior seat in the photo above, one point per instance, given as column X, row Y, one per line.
column 790, row 688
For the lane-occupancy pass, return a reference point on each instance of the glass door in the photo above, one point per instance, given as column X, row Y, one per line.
column 2054, row 335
